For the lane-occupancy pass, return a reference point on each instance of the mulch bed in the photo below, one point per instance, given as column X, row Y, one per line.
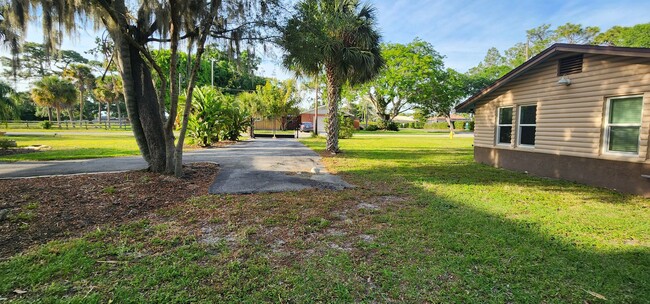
column 37, row 210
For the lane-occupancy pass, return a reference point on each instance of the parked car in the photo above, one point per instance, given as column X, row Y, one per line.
column 306, row 127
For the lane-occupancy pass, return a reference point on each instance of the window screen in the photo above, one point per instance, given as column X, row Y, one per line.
column 504, row 126
column 527, row 125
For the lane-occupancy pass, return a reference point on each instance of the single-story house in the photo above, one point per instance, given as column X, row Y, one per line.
column 454, row 117
column 403, row 119
column 308, row 116
column 574, row 112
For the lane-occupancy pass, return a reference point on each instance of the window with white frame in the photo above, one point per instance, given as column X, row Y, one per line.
column 504, row 126
column 623, row 124
column 527, row 125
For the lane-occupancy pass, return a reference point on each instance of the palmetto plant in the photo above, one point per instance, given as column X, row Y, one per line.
column 54, row 92
column 339, row 37
column 8, row 108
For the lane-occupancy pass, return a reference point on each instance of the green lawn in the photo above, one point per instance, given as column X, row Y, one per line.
column 74, row 146
column 424, row 224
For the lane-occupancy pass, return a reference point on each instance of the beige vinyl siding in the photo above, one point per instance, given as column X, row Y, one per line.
column 570, row 118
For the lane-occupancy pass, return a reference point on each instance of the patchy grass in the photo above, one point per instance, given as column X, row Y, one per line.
column 425, row 224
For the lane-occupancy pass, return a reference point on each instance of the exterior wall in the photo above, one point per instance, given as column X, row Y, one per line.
column 570, row 118
column 617, row 175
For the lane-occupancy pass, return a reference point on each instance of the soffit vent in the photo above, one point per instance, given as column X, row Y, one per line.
column 570, row 65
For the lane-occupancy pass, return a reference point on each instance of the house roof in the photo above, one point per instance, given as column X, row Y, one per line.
column 555, row 49
column 322, row 110
column 403, row 119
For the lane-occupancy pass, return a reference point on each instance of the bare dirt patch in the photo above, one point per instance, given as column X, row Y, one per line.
column 37, row 210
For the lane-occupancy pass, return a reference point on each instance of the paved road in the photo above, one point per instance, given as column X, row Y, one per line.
column 261, row 165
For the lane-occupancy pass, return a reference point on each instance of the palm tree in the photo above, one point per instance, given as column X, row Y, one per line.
column 8, row 109
column 54, row 92
column 341, row 37
column 83, row 79
column 108, row 90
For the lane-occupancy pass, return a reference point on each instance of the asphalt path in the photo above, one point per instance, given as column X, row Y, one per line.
column 253, row 166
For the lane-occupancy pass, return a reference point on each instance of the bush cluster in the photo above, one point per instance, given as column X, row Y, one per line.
column 46, row 124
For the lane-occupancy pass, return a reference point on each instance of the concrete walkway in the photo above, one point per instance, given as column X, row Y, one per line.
column 261, row 165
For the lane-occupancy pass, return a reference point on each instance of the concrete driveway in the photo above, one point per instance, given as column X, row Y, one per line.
column 260, row 165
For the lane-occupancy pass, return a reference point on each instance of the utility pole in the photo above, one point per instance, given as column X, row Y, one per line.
column 316, row 107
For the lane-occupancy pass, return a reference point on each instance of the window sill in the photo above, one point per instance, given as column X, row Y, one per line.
column 528, row 147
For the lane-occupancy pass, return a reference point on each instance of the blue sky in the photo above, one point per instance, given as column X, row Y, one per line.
column 461, row 30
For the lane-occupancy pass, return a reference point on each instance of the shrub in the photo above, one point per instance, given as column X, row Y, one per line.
column 347, row 127
column 471, row 125
column 46, row 124
column 391, row 126
column 459, row 125
column 215, row 117
column 372, row 128
column 437, row 126
column 6, row 144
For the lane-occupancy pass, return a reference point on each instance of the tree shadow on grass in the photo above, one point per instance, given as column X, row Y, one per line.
column 446, row 246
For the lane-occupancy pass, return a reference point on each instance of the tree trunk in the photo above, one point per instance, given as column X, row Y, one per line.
column 449, row 123
column 275, row 120
column 141, row 104
column 333, row 95
column 49, row 114
column 119, row 115
column 108, row 114
column 72, row 118
column 99, row 113
column 252, row 127
column 58, row 117
column 81, row 108
column 174, row 83
column 178, row 155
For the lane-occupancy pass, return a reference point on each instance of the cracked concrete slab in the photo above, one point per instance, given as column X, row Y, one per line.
column 271, row 165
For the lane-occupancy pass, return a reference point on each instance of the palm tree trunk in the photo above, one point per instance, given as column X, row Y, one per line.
column 49, row 114
column 333, row 95
column 99, row 113
column 81, row 108
column 119, row 115
column 71, row 118
column 108, row 114
column 58, row 117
